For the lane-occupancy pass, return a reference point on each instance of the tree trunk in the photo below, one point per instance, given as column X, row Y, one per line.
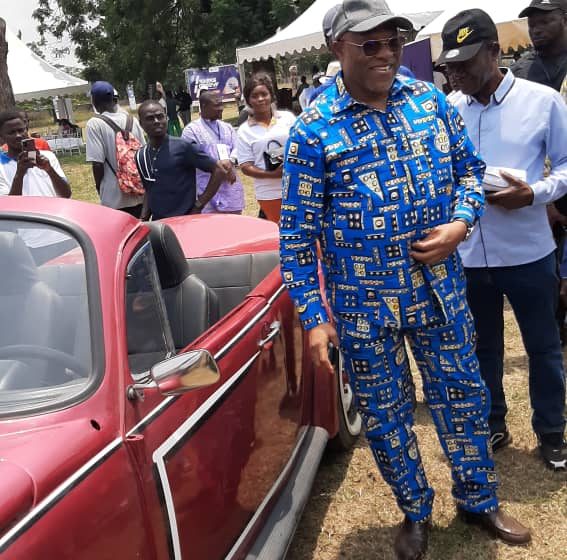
column 6, row 93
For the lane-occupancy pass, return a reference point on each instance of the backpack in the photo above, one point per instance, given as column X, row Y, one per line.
column 126, row 172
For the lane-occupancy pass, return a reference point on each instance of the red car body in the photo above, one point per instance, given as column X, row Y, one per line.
column 127, row 473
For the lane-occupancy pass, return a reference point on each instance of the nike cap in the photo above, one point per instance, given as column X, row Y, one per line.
column 464, row 35
column 544, row 6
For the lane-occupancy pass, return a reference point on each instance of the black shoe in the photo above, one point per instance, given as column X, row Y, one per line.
column 499, row 440
column 553, row 451
column 412, row 540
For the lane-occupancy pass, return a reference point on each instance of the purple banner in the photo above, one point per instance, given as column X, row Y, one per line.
column 417, row 57
column 225, row 79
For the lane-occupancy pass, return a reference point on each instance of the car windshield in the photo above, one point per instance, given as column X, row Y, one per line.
column 45, row 340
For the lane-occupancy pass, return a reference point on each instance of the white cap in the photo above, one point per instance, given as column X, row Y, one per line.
column 333, row 68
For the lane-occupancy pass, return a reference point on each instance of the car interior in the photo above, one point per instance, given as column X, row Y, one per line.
column 198, row 292
column 44, row 328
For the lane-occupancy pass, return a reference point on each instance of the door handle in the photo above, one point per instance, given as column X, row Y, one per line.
column 275, row 329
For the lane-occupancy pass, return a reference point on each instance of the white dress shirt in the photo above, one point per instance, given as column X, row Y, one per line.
column 522, row 124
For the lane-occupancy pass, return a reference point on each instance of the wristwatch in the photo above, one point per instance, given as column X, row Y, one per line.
column 470, row 226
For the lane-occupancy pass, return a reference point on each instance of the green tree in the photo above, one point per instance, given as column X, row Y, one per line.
column 129, row 40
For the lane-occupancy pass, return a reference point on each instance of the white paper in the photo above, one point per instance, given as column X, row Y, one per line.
column 223, row 152
column 493, row 181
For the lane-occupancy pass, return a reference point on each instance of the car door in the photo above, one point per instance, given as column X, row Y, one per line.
column 207, row 459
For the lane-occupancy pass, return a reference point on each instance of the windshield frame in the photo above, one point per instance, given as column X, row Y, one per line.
column 95, row 315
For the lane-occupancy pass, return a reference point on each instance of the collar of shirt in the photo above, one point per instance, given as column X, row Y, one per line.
column 502, row 90
column 344, row 99
column 214, row 126
column 253, row 122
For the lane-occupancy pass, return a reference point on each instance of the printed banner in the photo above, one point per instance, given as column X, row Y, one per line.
column 226, row 79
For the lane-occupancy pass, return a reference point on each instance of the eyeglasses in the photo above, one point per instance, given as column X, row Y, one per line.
column 373, row 46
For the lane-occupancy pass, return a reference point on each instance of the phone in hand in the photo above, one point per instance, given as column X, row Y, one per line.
column 28, row 145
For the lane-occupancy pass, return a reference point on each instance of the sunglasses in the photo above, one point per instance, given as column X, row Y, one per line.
column 373, row 46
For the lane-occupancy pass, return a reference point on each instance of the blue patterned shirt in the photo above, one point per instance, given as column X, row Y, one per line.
column 367, row 184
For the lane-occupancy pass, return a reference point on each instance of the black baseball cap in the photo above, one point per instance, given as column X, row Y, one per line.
column 359, row 16
column 464, row 35
column 545, row 6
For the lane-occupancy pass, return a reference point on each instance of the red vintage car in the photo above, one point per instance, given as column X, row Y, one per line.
column 156, row 395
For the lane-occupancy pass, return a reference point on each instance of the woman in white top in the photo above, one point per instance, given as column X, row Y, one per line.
column 265, row 131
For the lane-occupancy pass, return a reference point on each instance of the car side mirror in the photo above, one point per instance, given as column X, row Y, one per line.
column 191, row 370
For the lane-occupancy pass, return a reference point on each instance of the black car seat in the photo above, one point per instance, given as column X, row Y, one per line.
column 191, row 305
column 29, row 311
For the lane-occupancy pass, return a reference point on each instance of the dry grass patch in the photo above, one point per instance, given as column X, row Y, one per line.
column 352, row 515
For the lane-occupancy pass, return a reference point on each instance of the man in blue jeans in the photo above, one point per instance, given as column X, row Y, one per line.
column 514, row 124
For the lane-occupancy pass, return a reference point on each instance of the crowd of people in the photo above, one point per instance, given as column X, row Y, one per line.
column 425, row 210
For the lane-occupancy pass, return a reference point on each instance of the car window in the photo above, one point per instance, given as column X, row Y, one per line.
column 45, row 333
column 147, row 326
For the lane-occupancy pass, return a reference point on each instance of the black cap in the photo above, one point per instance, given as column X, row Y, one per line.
column 545, row 6
column 359, row 16
column 464, row 34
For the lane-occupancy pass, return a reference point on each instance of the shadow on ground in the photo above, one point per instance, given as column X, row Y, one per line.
column 455, row 542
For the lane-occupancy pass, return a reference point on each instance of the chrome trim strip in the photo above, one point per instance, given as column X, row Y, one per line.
column 218, row 356
column 275, row 487
column 52, row 498
column 160, row 453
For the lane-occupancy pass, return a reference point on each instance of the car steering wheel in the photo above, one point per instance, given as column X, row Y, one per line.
column 27, row 351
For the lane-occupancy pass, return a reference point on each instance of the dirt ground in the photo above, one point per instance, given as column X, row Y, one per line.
column 352, row 515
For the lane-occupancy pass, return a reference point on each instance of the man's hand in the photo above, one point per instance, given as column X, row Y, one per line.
column 441, row 242
column 228, row 168
column 319, row 339
column 24, row 163
column 555, row 217
column 43, row 163
column 223, row 169
column 517, row 195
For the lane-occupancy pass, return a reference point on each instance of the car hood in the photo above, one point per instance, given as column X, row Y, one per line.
column 35, row 461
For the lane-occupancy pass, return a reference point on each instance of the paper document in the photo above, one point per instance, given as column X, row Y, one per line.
column 494, row 182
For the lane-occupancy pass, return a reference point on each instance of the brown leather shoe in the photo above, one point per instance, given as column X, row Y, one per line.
column 501, row 525
column 412, row 539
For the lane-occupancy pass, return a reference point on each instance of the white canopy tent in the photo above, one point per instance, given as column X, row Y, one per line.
column 305, row 33
column 33, row 77
column 512, row 31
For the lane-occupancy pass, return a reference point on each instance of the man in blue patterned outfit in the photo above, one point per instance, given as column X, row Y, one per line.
column 381, row 171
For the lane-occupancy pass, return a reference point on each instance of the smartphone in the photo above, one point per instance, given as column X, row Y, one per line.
column 28, row 145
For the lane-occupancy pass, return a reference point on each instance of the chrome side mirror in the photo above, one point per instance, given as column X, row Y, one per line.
column 191, row 370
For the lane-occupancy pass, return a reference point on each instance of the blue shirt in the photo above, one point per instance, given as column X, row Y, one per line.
column 368, row 184
column 168, row 174
column 522, row 124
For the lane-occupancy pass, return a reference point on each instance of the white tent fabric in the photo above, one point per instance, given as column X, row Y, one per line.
column 305, row 33
column 512, row 31
column 33, row 77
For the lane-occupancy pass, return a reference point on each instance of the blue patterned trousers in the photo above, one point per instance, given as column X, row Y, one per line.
column 378, row 367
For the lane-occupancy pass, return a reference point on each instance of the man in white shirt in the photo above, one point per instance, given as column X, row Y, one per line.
column 101, row 150
column 31, row 173
column 514, row 124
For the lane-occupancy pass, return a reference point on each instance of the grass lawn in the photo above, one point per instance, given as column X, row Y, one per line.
column 352, row 515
